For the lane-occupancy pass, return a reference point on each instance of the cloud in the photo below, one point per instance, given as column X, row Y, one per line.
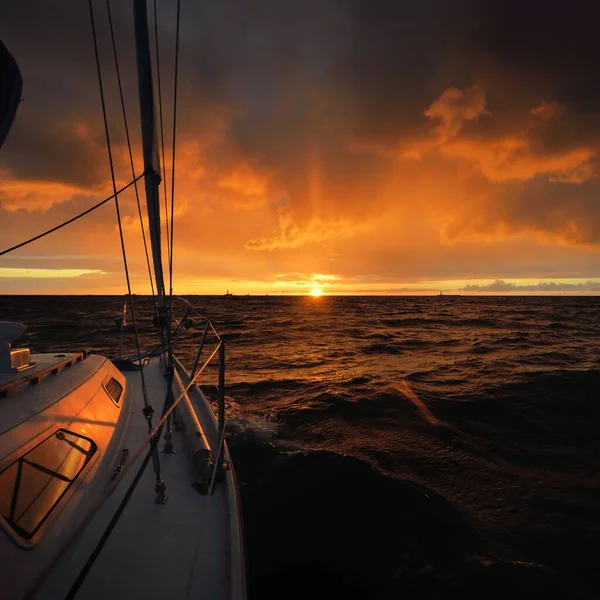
column 456, row 107
column 34, row 196
column 519, row 158
column 26, row 273
column 517, row 155
column 245, row 181
column 65, row 151
column 551, row 213
column 543, row 51
column 501, row 286
column 316, row 231
column 406, row 146
column 548, row 110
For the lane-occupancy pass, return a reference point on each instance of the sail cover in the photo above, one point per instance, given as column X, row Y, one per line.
column 11, row 84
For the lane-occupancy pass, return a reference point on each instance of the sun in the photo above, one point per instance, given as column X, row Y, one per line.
column 316, row 292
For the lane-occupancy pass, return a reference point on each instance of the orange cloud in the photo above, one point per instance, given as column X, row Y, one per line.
column 33, row 196
column 360, row 213
column 315, row 231
column 244, row 180
column 454, row 108
column 517, row 156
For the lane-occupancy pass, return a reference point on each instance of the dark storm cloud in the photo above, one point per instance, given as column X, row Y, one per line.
column 545, row 43
column 53, row 151
column 52, row 42
column 310, row 69
column 57, row 135
column 299, row 86
column 402, row 55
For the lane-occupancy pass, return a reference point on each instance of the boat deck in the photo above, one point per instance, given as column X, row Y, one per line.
column 45, row 364
column 20, row 402
column 181, row 549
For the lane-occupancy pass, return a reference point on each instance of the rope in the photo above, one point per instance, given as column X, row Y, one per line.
column 152, row 439
column 73, row 219
column 162, row 135
column 155, row 459
column 137, row 194
column 111, row 525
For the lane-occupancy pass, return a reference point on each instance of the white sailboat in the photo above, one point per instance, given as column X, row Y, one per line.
column 94, row 501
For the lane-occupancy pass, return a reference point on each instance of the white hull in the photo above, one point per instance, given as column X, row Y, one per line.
column 190, row 547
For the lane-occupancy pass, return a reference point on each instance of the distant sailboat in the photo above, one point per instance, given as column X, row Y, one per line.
column 228, row 293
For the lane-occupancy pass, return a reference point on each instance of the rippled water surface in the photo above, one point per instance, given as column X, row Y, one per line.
column 404, row 446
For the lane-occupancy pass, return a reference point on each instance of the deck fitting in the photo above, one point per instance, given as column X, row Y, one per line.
column 161, row 493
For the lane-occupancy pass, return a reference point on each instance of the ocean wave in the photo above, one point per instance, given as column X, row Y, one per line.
column 451, row 321
column 508, row 438
column 381, row 348
column 405, row 539
column 297, row 363
column 413, row 322
column 263, row 385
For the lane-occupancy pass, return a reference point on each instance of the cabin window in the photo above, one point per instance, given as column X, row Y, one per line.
column 32, row 486
column 114, row 389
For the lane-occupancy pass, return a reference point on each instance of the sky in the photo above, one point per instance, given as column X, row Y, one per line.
column 346, row 146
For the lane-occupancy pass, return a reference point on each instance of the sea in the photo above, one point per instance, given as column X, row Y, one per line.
column 394, row 447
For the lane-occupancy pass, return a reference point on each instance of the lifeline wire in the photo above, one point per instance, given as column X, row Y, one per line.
column 72, row 219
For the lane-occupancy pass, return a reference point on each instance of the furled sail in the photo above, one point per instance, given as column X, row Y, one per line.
column 11, row 84
column 151, row 167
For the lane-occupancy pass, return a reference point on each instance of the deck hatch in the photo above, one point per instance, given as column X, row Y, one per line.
column 33, row 485
column 114, row 389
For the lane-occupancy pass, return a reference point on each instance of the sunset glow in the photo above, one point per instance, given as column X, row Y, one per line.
column 470, row 168
column 316, row 292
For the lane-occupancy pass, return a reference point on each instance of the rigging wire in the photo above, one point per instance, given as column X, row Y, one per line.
column 170, row 361
column 112, row 175
column 72, row 219
column 152, row 440
column 166, row 337
column 169, row 407
column 137, row 194
column 148, row 409
column 162, row 134
column 173, row 158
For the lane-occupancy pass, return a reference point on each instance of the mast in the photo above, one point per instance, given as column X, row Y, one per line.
column 152, row 176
